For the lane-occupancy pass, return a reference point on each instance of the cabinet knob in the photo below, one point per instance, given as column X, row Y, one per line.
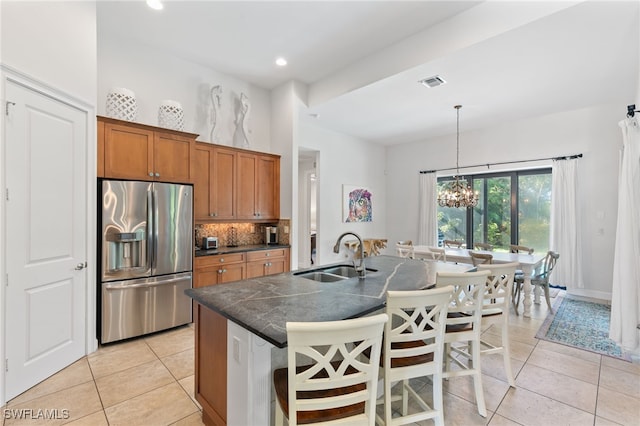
column 221, row 259
column 213, row 214
column 222, row 271
column 157, row 174
column 268, row 254
column 151, row 174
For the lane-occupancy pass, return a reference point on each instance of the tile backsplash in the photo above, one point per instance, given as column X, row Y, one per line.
column 246, row 233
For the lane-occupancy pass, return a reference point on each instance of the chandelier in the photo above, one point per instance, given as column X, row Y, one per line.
column 457, row 193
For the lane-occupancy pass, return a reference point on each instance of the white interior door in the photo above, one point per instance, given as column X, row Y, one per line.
column 46, row 222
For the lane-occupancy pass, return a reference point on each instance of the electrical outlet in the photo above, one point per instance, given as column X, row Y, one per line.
column 286, row 229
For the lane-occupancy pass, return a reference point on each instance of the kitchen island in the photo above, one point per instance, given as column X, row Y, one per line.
column 240, row 327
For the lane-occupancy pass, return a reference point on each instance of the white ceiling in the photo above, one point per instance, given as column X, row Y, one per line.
column 502, row 60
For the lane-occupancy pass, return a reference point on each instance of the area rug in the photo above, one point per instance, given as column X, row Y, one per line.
column 582, row 325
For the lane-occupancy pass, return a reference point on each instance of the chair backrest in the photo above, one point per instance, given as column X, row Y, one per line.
column 542, row 273
column 405, row 243
column 466, row 302
column 415, row 331
column 437, row 253
column 499, row 286
column 343, row 342
column 513, row 248
column 483, row 246
column 453, row 243
column 405, row 250
column 480, row 258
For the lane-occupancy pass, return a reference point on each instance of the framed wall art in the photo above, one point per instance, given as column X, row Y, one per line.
column 356, row 204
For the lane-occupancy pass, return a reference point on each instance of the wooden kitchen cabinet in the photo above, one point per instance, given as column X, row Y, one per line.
column 267, row 262
column 100, row 149
column 219, row 268
column 214, row 178
column 141, row 152
column 258, row 186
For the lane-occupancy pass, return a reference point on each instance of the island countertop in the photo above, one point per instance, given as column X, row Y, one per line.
column 264, row 305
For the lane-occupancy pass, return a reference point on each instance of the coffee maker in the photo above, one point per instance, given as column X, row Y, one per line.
column 271, row 235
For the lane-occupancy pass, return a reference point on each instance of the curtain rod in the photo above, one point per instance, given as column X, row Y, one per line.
column 566, row 157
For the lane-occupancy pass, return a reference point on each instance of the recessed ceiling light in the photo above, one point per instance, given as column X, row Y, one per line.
column 434, row 81
column 281, row 62
column 155, row 4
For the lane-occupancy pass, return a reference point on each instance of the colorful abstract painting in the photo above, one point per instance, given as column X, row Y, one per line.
column 356, row 204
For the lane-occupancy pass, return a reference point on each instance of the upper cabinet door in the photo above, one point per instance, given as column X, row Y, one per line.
column 268, row 187
column 202, row 172
column 128, row 152
column 246, row 186
column 171, row 158
column 223, row 188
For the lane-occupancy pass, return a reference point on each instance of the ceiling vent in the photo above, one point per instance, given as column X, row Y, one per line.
column 434, row 81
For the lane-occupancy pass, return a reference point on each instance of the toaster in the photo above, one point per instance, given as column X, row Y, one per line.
column 209, row 243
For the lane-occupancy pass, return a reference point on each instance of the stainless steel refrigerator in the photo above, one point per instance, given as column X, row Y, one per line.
column 146, row 251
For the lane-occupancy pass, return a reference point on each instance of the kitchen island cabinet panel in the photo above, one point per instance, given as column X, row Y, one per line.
column 211, row 360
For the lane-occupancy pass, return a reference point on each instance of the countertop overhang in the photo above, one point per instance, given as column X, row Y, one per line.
column 264, row 305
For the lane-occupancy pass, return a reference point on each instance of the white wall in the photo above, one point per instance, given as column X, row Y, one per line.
column 593, row 132
column 345, row 160
column 52, row 42
column 155, row 76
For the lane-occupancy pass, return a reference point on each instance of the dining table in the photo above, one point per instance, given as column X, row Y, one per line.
column 527, row 262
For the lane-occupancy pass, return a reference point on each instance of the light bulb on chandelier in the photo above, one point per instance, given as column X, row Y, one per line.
column 457, row 193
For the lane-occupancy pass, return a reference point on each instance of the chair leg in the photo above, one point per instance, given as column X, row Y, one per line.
column 279, row 415
column 438, row 404
column 477, row 380
column 546, row 296
column 515, row 296
column 506, row 353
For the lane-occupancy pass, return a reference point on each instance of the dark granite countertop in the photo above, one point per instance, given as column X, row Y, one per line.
column 249, row 247
column 264, row 305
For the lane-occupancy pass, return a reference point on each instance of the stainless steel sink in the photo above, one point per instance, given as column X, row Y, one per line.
column 322, row 277
column 331, row 274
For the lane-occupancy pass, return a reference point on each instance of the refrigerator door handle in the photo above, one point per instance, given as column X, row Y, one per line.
column 150, row 228
column 155, row 227
column 142, row 285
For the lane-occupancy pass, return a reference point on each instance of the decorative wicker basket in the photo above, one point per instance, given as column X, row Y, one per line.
column 121, row 104
column 171, row 115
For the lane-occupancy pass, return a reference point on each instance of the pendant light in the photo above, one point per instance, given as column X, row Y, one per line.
column 457, row 193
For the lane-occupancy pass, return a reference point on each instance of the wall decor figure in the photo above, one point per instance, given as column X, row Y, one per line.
column 356, row 204
column 240, row 139
column 215, row 93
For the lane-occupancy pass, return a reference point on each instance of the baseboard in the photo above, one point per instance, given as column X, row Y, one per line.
column 594, row 294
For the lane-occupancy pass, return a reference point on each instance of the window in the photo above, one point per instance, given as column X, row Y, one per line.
column 513, row 208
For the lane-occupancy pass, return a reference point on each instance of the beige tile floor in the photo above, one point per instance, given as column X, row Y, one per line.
column 149, row 381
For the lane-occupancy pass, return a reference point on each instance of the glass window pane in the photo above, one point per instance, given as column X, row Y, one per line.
column 534, row 211
column 498, row 215
column 478, row 212
column 452, row 222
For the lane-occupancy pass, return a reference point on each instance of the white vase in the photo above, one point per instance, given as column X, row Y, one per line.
column 121, row 104
column 171, row 115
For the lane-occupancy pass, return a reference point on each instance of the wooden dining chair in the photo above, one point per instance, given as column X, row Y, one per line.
column 436, row 253
column 483, row 246
column 495, row 309
column 453, row 243
column 514, row 248
column 405, row 250
column 413, row 348
column 539, row 277
column 464, row 322
column 338, row 384
column 480, row 258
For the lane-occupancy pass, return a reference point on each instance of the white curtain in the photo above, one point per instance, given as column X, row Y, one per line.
column 565, row 224
column 427, row 209
column 625, row 296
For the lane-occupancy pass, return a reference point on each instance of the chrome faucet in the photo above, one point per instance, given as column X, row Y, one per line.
column 359, row 268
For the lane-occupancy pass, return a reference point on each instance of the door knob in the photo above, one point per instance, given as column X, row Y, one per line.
column 80, row 266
